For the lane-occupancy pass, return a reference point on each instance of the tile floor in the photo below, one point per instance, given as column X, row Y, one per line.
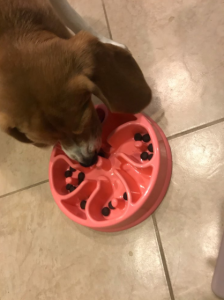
column 45, row 256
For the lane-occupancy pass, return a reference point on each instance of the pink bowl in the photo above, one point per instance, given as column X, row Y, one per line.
column 120, row 171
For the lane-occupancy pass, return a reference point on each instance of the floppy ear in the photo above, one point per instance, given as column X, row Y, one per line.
column 118, row 81
column 21, row 137
column 8, row 127
column 68, row 112
column 110, row 73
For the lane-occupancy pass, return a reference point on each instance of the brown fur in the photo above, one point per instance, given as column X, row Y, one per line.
column 47, row 77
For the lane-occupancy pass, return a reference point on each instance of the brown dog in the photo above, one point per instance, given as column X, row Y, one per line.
column 47, row 77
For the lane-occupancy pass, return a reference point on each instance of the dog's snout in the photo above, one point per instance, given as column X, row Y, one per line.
column 89, row 161
column 84, row 152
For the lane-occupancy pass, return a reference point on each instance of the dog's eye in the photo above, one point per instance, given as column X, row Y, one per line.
column 14, row 132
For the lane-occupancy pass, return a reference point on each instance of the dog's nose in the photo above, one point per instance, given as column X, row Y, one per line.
column 89, row 161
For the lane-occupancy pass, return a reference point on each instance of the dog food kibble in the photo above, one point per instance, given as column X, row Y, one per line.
column 83, row 204
column 72, row 188
column 150, row 147
column 110, row 205
column 68, row 186
column 81, row 177
column 138, row 137
column 68, row 173
column 146, row 138
column 125, row 196
column 150, row 156
column 105, row 211
column 72, row 170
column 101, row 153
column 144, row 155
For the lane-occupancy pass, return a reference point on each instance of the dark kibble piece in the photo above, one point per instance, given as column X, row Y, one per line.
column 150, row 147
column 146, row 138
column 72, row 188
column 110, row 205
column 72, row 170
column 68, row 173
column 68, row 186
column 101, row 153
column 81, row 177
column 105, row 211
column 125, row 196
column 144, row 155
column 150, row 156
column 138, row 137
column 83, row 204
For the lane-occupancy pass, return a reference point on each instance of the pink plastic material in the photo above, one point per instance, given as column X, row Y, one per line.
column 120, row 171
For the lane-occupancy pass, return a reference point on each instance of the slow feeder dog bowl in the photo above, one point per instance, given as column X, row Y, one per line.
column 126, row 185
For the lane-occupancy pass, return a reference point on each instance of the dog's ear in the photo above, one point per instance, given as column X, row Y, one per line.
column 118, row 81
column 8, row 126
column 71, row 111
column 110, row 73
column 18, row 135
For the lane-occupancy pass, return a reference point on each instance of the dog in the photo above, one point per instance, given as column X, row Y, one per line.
column 47, row 77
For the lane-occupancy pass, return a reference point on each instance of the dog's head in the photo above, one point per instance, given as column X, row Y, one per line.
column 52, row 102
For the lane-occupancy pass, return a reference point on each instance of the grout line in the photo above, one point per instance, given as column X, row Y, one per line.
column 106, row 18
column 174, row 136
column 25, row 188
column 171, row 137
column 169, row 284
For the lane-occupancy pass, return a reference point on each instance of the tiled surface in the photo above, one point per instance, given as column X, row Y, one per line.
column 191, row 217
column 45, row 256
column 179, row 46
column 93, row 13
column 21, row 165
